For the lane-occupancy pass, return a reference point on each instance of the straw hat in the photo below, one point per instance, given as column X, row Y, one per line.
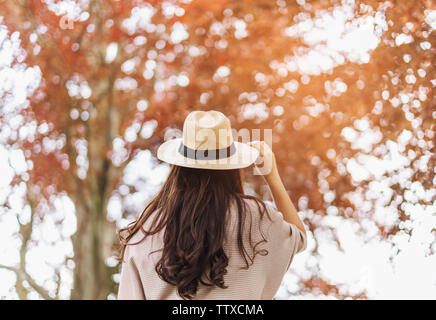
column 207, row 143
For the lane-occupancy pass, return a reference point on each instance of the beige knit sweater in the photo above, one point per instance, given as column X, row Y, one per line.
column 139, row 279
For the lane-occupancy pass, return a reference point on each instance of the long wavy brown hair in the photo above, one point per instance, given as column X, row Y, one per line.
column 193, row 206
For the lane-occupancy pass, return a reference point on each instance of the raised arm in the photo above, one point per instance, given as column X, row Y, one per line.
column 270, row 173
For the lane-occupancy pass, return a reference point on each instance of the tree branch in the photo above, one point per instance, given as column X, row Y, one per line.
column 25, row 276
column 26, row 232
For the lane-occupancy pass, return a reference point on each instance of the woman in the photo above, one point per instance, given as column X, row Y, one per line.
column 201, row 237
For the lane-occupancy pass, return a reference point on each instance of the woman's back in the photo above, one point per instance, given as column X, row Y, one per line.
column 201, row 237
column 261, row 280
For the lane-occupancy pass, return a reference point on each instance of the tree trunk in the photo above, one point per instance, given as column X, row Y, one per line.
column 95, row 235
column 92, row 277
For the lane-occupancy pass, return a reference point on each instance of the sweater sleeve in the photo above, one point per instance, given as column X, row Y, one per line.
column 130, row 287
column 288, row 235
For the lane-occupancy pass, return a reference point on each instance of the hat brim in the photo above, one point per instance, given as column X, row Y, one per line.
column 243, row 157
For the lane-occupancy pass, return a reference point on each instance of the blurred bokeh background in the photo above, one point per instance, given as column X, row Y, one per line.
column 90, row 88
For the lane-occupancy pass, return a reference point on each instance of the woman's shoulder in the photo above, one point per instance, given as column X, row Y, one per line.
column 257, row 212
column 266, row 214
column 137, row 237
column 276, row 225
column 135, row 244
column 260, row 207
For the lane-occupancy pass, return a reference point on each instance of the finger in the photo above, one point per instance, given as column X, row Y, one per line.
column 254, row 143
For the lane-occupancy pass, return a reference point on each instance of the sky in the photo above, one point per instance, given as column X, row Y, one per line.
column 362, row 263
